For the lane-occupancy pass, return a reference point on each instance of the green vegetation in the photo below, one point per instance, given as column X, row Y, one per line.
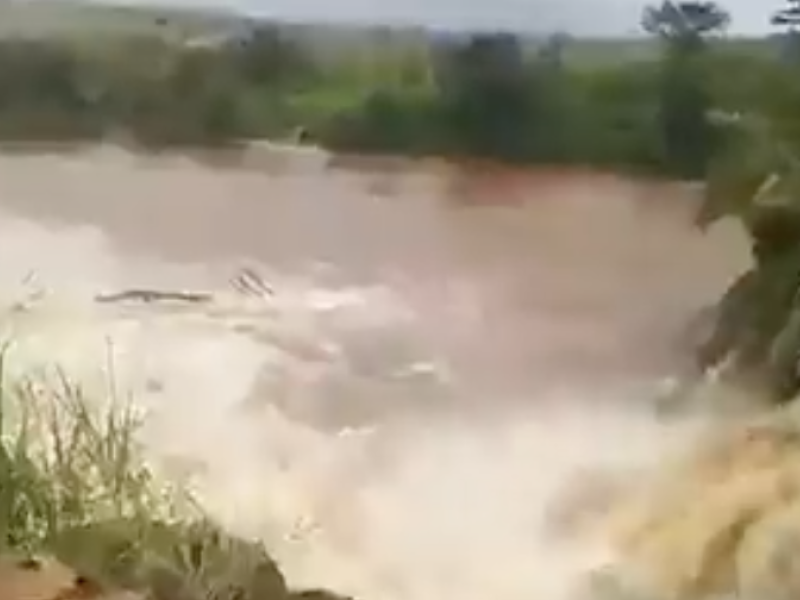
column 754, row 177
column 215, row 80
column 75, row 489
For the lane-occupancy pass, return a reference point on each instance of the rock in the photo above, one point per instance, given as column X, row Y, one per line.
column 34, row 579
column 48, row 579
column 173, row 561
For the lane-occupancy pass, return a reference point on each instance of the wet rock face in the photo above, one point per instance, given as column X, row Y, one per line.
column 49, row 579
column 169, row 561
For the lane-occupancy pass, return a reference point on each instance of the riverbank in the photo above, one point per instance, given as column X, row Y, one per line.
column 81, row 515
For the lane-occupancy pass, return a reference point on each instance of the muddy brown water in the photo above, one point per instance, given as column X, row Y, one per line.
column 400, row 287
column 556, row 271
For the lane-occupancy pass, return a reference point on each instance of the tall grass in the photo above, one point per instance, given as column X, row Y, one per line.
column 73, row 486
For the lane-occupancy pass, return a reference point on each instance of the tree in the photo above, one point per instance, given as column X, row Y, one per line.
column 265, row 56
column 485, row 95
column 788, row 19
column 688, row 138
column 554, row 48
column 684, row 21
column 756, row 180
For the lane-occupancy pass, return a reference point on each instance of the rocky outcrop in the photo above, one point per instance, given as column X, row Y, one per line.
column 128, row 560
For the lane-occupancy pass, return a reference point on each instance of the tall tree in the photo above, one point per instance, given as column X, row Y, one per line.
column 687, row 137
column 788, row 16
column 788, row 19
column 266, row 55
column 674, row 21
column 485, row 91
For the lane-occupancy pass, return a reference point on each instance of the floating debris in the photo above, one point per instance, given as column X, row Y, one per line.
column 250, row 283
column 247, row 282
column 145, row 295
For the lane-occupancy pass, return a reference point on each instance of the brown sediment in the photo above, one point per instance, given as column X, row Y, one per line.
column 521, row 278
column 563, row 270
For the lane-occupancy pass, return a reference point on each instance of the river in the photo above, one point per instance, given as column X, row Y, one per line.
column 443, row 348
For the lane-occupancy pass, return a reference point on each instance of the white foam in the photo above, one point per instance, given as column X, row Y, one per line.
column 262, row 404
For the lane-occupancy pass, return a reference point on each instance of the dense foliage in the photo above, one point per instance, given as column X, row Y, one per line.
column 485, row 95
column 754, row 176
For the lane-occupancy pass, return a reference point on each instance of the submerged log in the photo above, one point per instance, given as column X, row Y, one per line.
column 247, row 282
column 144, row 295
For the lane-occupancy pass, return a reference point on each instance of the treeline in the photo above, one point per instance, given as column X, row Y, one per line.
column 480, row 96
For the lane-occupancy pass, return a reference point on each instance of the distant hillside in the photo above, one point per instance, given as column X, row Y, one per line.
column 74, row 18
column 43, row 18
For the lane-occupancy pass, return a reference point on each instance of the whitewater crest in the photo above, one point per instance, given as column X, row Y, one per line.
column 246, row 395
column 720, row 518
column 542, row 502
column 323, row 421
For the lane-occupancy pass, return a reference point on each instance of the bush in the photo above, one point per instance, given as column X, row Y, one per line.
column 73, row 486
column 385, row 122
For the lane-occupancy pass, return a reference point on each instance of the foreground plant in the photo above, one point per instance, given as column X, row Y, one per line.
column 73, row 487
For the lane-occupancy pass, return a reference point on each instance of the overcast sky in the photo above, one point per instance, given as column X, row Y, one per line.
column 583, row 17
column 578, row 16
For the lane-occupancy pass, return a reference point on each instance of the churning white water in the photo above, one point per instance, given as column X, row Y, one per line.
column 409, row 434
